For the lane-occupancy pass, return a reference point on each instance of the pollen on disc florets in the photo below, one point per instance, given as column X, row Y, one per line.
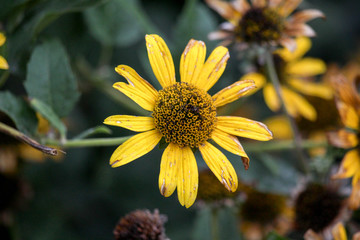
column 260, row 25
column 184, row 114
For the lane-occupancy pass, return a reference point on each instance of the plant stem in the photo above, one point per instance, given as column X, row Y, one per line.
column 282, row 145
column 270, row 66
column 92, row 142
column 214, row 224
column 22, row 137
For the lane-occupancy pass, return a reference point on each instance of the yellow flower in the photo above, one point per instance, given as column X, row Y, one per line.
column 3, row 62
column 348, row 104
column 295, row 72
column 184, row 115
column 262, row 22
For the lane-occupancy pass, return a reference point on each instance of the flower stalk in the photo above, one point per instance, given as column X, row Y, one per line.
column 271, row 71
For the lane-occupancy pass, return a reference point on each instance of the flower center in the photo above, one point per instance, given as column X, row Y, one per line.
column 184, row 115
column 260, row 25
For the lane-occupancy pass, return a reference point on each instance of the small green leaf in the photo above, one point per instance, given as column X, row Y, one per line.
column 115, row 23
column 50, row 78
column 49, row 114
column 19, row 111
column 91, row 131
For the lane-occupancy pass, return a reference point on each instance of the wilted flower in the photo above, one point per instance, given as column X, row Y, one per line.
column 184, row 115
column 141, row 225
column 317, row 207
column 262, row 213
column 262, row 22
column 348, row 104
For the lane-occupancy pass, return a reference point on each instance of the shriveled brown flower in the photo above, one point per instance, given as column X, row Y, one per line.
column 317, row 207
column 348, row 104
column 262, row 22
column 141, row 225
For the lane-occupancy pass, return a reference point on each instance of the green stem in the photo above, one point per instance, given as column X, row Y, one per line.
column 214, row 224
column 22, row 137
column 270, row 66
column 92, row 142
column 282, row 145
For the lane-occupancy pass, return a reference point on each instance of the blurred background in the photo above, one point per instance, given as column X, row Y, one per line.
column 78, row 195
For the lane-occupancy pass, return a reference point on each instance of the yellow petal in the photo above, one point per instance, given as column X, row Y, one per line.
column 271, row 98
column 285, row 8
column 3, row 63
column 339, row 232
column 160, row 60
column 233, row 92
column 220, row 166
column 2, row 39
column 306, row 67
column 135, row 147
column 297, row 105
column 187, row 178
column 354, row 200
column 213, row 68
column 134, row 79
column 312, row 89
column 348, row 115
column 280, row 127
column 231, row 144
column 258, row 78
column 225, row 9
column 244, row 127
column 133, row 123
column 192, row 61
column 169, row 169
column 342, row 139
column 303, row 44
column 350, row 165
column 147, row 102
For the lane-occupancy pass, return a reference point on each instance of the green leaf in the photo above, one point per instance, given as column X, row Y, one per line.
column 115, row 23
column 50, row 78
column 47, row 112
column 19, row 111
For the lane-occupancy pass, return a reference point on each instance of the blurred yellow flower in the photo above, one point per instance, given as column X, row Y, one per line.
column 184, row 115
column 348, row 104
column 3, row 62
column 262, row 22
column 295, row 74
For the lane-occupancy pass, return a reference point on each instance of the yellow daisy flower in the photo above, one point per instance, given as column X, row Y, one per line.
column 295, row 73
column 3, row 62
column 184, row 115
column 262, row 22
column 348, row 104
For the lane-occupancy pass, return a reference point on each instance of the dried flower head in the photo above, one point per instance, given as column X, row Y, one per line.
column 141, row 225
column 262, row 22
column 317, row 207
